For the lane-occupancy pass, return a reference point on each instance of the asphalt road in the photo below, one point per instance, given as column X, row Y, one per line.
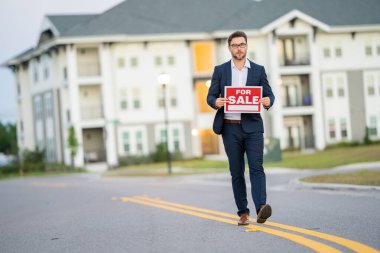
column 88, row 213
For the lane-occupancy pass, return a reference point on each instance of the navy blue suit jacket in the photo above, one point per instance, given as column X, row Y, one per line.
column 222, row 76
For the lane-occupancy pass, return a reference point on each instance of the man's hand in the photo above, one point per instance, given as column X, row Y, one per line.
column 220, row 102
column 265, row 101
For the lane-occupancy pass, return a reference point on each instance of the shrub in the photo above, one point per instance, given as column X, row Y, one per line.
column 160, row 154
column 130, row 160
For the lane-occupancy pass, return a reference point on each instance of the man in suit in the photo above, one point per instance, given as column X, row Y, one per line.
column 242, row 132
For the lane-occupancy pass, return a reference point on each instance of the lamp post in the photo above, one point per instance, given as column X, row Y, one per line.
column 163, row 80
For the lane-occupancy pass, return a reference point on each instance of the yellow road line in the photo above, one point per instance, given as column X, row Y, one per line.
column 314, row 245
column 353, row 245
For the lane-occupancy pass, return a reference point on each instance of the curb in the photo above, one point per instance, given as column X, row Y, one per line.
column 333, row 187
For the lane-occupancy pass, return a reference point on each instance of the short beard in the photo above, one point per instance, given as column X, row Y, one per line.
column 238, row 58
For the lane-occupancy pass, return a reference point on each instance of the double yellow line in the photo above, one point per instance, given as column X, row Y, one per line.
column 222, row 217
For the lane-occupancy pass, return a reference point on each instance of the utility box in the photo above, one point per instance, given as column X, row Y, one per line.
column 272, row 150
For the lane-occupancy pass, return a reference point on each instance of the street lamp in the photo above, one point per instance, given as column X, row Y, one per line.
column 164, row 80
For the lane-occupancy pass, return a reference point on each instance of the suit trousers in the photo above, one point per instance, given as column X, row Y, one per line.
column 237, row 143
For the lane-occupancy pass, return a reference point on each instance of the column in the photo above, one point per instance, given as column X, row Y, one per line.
column 108, row 100
column 274, row 81
column 316, row 88
column 74, row 106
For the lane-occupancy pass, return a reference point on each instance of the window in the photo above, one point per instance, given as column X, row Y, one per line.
column 329, row 90
column 126, row 145
column 139, row 145
column 37, row 107
column 120, row 62
column 136, row 98
column 123, row 104
column 340, row 82
column 136, row 104
column 341, row 91
column 371, row 85
column 371, row 90
column 332, row 128
column 338, row 52
column 158, row 61
column 176, row 139
column 123, row 99
column 326, row 52
column 343, row 128
column 46, row 73
column 173, row 99
column 134, row 62
column 161, row 102
column 162, row 135
column 48, row 106
column 372, row 126
column 171, row 60
column 173, row 102
column 368, row 50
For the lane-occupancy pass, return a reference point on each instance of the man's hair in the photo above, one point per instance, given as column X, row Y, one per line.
column 237, row 34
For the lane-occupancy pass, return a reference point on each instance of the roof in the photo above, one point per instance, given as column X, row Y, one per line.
column 64, row 22
column 139, row 17
column 150, row 17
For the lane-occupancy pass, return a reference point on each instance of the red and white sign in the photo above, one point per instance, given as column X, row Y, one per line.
column 243, row 99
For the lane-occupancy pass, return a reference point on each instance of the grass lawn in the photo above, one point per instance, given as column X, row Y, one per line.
column 329, row 158
column 321, row 159
column 363, row 177
column 193, row 166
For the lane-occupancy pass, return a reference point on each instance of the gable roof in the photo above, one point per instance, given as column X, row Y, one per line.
column 136, row 17
column 63, row 23
column 173, row 17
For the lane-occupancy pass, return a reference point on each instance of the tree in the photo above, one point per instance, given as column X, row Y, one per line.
column 8, row 139
column 73, row 145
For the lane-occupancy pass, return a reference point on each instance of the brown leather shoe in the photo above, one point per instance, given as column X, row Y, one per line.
column 264, row 213
column 244, row 218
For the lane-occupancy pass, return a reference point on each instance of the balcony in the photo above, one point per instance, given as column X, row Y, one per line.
column 298, row 133
column 89, row 69
column 296, row 91
column 91, row 112
column 88, row 62
column 293, row 51
column 93, row 145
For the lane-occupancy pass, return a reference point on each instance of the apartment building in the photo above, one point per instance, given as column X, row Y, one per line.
column 99, row 73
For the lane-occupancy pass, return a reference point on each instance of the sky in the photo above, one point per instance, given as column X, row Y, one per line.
column 20, row 23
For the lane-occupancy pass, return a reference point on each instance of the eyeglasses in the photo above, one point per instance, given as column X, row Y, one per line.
column 241, row 45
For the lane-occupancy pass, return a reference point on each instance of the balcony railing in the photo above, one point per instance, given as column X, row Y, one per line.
column 301, row 60
column 91, row 112
column 304, row 101
column 88, row 70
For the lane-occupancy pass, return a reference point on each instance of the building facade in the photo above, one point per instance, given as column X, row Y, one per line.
column 103, row 82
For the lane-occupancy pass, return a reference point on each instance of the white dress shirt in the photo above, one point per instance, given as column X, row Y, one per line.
column 239, row 78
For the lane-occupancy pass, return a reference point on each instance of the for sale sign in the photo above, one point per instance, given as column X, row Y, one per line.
column 243, row 99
